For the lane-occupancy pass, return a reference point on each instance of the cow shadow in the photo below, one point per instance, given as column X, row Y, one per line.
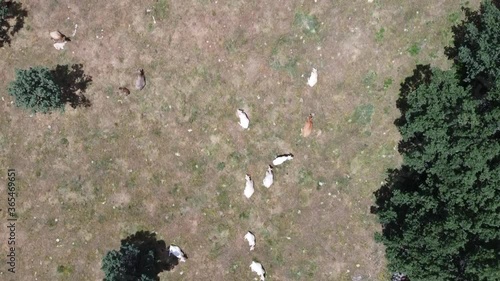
column 12, row 15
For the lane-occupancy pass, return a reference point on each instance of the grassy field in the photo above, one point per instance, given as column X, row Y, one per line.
column 172, row 158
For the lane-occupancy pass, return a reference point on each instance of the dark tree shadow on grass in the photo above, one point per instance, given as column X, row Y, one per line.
column 12, row 15
column 73, row 83
column 147, row 243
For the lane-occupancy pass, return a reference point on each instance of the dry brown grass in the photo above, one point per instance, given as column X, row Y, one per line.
column 109, row 170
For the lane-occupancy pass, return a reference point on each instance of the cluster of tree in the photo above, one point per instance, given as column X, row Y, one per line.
column 440, row 211
column 40, row 89
column 141, row 257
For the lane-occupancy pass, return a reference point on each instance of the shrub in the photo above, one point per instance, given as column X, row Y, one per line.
column 141, row 257
column 36, row 90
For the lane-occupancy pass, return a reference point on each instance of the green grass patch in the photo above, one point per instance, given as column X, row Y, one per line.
column 363, row 114
column 64, row 142
column 161, row 9
column 305, row 270
column 223, row 200
column 216, row 250
column 342, row 183
column 369, row 78
column 281, row 58
column 387, row 83
column 51, row 222
column 75, row 184
column 235, row 158
column 244, row 215
column 221, row 166
column 132, row 181
column 235, row 265
column 454, row 17
column 176, row 189
column 414, row 49
column 307, row 22
column 236, row 41
column 305, row 177
column 379, row 35
column 65, row 270
column 109, row 90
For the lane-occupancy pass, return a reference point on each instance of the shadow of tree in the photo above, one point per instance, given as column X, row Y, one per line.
column 10, row 12
column 147, row 243
column 73, row 83
column 404, row 179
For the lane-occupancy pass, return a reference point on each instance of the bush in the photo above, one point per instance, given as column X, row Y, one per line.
column 439, row 210
column 35, row 89
column 141, row 257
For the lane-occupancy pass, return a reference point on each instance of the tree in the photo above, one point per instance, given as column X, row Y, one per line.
column 440, row 212
column 125, row 264
column 475, row 46
column 140, row 257
column 35, row 89
column 3, row 10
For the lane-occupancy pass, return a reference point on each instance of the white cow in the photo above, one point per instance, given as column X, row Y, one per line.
column 280, row 159
column 140, row 81
column 259, row 269
column 269, row 178
column 313, row 79
column 251, row 240
column 249, row 190
column 177, row 252
column 244, row 121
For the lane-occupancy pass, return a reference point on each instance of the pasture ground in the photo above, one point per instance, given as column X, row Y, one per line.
column 172, row 158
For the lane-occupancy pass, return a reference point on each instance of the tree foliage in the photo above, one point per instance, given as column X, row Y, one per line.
column 140, row 257
column 3, row 10
column 475, row 47
column 125, row 264
column 35, row 89
column 440, row 212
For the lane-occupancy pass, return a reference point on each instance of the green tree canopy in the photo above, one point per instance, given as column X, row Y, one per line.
column 475, row 46
column 440, row 212
column 3, row 11
column 141, row 257
column 35, row 89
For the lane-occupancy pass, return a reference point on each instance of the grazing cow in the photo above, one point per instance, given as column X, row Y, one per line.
column 140, row 82
column 249, row 190
column 177, row 252
column 59, row 39
column 308, row 126
column 251, row 240
column 57, row 36
column 269, row 178
column 259, row 269
column 244, row 121
column 124, row 90
column 280, row 159
column 313, row 79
